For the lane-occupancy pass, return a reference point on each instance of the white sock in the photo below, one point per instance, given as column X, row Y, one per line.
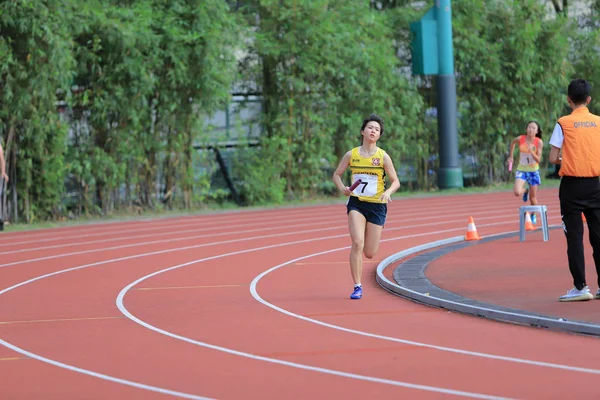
column 357, row 285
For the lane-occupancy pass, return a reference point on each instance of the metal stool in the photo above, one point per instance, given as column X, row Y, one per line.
column 543, row 216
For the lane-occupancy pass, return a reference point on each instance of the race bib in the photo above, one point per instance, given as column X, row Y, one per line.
column 368, row 186
column 526, row 159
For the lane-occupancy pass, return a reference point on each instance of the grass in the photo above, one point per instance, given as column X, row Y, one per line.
column 230, row 206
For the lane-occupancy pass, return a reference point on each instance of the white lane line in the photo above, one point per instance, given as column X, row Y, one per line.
column 237, row 232
column 160, row 225
column 128, row 314
column 166, row 250
column 255, row 294
column 230, row 218
column 212, row 234
column 121, row 306
column 101, row 250
column 156, row 223
column 238, row 222
column 102, row 376
column 327, row 371
column 122, row 294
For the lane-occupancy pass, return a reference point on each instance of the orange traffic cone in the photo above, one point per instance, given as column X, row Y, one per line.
column 528, row 224
column 472, row 231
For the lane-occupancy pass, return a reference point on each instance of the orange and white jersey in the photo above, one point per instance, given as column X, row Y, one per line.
column 526, row 162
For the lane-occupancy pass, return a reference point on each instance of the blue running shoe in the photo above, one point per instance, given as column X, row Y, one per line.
column 526, row 195
column 357, row 294
column 533, row 218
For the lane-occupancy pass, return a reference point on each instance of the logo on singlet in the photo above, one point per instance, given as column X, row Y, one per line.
column 376, row 162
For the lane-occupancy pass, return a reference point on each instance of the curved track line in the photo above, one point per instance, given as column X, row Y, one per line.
column 201, row 228
column 126, row 313
column 76, row 253
column 146, row 325
column 149, row 225
column 152, row 388
column 255, row 294
column 231, row 351
column 268, row 228
column 199, row 225
column 121, row 306
column 210, row 235
column 196, row 246
column 103, row 376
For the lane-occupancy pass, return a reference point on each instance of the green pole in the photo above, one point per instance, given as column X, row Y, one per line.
column 449, row 173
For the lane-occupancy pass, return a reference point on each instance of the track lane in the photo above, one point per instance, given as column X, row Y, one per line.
column 340, row 239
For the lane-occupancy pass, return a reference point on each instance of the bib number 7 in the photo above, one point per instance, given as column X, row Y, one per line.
column 364, row 186
column 367, row 187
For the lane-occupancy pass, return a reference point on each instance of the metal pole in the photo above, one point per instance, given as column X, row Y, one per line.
column 449, row 174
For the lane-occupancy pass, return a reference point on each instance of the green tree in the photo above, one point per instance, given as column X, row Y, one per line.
column 509, row 71
column 36, row 55
column 148, row 74
column 112, row 83
column 322, row 66
column 194, row 69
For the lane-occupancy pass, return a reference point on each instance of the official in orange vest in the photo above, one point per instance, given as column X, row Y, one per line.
column 575, row 144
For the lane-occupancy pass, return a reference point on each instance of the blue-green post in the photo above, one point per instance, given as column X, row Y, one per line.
column 449, row 173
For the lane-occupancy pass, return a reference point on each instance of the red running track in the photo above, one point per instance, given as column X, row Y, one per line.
column 256, row 305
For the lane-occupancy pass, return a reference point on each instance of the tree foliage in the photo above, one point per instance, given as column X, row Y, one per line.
column 104, row 105
column 322, row 66
column 37, row 61
column 511, row 69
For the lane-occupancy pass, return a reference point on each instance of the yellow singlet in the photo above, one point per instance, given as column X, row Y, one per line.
column 370, row 171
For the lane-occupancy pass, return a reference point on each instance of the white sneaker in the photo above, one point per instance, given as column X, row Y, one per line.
column 578, row 295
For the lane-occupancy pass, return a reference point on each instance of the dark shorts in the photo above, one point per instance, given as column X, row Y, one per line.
column 375, row 213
